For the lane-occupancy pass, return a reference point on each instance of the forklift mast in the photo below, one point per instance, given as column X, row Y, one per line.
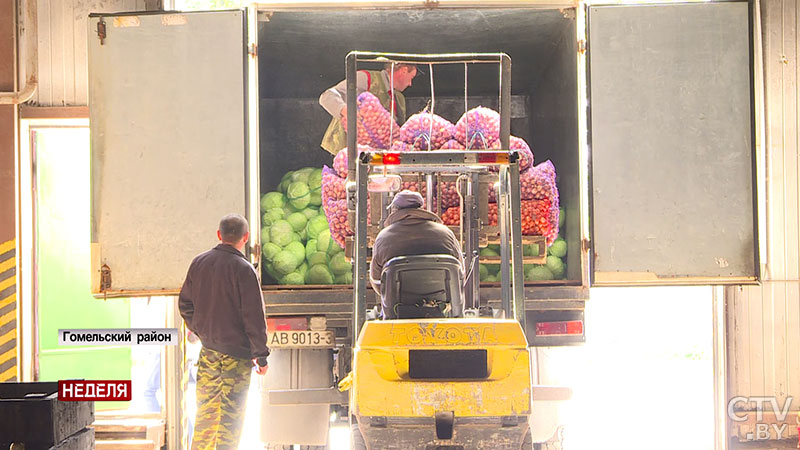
column 375, row 170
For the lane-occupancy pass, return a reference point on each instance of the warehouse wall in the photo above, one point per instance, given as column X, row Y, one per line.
column 764, row 321
column 8, row 308
column 62, row 74
column 62, row 27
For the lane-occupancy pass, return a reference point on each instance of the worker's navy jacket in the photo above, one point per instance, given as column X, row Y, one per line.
column 221, row 303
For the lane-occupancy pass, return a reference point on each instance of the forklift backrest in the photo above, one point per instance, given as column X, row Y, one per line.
column 422, row 286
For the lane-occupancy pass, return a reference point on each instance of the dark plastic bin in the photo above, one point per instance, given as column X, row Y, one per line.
column 31, row 414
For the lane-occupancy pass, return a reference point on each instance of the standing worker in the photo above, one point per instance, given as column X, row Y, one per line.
column 334, row 100
column 221, row 303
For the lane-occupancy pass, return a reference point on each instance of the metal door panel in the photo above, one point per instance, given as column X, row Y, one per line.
column 671, row 144
column 169, row 141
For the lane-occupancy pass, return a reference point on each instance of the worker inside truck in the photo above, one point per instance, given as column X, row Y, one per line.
column 409, row 230
column 397, row 75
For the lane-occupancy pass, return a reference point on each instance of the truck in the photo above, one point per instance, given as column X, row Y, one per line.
column 646, row 111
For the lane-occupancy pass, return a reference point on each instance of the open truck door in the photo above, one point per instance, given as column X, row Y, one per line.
column 673, row 169
column 172, row 148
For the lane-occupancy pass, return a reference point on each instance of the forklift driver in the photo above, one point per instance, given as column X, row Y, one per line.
column 374, row 81
column 410, row 230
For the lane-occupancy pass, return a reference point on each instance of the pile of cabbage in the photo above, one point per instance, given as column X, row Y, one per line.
column 296, row 243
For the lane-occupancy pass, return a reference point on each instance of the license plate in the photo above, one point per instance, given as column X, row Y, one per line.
column 297, row 338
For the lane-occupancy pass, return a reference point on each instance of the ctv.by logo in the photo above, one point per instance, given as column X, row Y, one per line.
column 738, row 413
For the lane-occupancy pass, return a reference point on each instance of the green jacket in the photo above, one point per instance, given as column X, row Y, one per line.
column 335, row 137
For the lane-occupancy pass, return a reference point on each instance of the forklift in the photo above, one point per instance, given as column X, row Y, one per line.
column 449, row 373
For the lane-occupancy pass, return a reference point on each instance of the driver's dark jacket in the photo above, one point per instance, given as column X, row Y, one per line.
column 410, row 232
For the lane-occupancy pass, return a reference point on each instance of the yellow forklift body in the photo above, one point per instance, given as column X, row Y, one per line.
column 390, row 381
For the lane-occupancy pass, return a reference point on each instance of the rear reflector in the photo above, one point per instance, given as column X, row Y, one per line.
column 564, row 328
column 287, row 323
column 447, row 364
column 494, row 157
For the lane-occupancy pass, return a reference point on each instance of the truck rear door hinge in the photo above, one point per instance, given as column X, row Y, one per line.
column 105, row 278
column 101, row 30
column 264, row 16
column 581, row 46
column 252, row 50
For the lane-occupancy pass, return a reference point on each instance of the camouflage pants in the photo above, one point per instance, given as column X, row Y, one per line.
column 222, row 384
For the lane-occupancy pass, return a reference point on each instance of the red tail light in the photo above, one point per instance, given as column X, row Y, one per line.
column 572, row 327
column 391, row 158
column 287, row 323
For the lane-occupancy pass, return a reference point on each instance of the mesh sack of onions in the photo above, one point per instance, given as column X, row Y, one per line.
column 333, row 186
column 452, row 144
column 336, row 213
column 340, row 160
column 449, row 193
column 451, row 216
column 553, row 218
column 539, row 217
column 524, row 150
column 478, row 128
column 535, row 183
column 414, row 185
column 480, row 144
column 539, row 182
column 400, row 146
column 426, row 131
column 374, row 123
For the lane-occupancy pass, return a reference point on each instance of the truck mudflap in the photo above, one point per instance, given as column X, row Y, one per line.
column 437, row 433
column 295, row 370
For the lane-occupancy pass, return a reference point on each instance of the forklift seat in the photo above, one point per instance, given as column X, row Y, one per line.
column 422, row 286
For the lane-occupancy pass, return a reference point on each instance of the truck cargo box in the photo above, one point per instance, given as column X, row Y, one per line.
column 645, row 111
column 292, row 75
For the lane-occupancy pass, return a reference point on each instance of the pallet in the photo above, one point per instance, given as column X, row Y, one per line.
column 125, row 444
